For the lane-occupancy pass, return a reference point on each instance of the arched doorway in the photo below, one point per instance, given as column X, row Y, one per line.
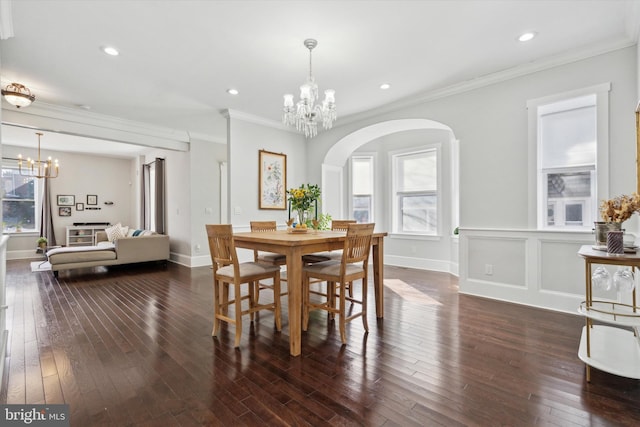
column 336, row 157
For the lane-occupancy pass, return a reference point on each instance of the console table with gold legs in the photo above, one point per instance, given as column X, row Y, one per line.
column 612, row 345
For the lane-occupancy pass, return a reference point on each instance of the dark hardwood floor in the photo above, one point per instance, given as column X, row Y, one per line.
column 133, row 346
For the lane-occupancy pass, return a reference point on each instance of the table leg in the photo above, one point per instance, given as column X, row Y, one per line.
column 294, row 285
column 378, row 276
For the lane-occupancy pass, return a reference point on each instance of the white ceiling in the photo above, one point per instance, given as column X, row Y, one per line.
column 179, row 57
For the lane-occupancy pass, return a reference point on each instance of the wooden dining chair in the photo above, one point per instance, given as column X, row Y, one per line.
column 353, row 266
column 341, row 224
column 227, row 272
column 336, row 225
column 269, row 258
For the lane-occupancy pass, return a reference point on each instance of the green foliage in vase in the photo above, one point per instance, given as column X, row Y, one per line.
column 324, row 221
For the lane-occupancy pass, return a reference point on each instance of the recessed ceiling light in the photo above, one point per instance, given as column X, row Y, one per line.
column 110, row 50
column 385, row 86
column 525, row 37
column 232, row 91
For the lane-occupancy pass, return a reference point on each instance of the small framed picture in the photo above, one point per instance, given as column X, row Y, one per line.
column 79, row 206
column 66, row 200
column 92, row 199
column 64, row 211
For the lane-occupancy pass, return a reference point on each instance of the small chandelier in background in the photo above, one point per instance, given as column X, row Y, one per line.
column 305, row 115
column 18, row 95
column 38, row 168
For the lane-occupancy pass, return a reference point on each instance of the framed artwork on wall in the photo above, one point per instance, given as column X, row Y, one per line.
column 79, row 206
column 272, row 180
column 64, row 211
column 66, row 200
column 92, row 199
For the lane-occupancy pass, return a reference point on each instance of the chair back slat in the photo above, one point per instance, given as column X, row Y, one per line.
column 221, row 245
column 341, row 224
column 263, row 226
column 358, row 243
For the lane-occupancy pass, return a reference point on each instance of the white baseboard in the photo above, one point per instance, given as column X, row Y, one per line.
column 191, row 261
column 422, row 264
column 24, row 254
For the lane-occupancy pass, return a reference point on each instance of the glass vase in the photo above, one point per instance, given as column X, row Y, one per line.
column 303, row 216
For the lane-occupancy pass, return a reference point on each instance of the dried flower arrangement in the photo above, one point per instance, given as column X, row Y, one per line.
column 620, row 208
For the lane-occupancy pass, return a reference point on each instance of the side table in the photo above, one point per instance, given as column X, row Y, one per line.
column 610, row 346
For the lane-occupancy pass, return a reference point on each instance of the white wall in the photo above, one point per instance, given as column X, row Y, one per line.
column 205, row 196
column 245, row 140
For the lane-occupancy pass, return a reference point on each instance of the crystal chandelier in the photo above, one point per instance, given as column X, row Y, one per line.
column 306, row 115
column 38, row 168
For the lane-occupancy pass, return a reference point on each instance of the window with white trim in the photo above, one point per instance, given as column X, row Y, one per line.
column 362, row 188
column 567, row 152
column 415, row 192
column 19, row 204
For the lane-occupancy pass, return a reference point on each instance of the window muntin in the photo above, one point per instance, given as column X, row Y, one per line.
column 415, row 183
column 19, row 205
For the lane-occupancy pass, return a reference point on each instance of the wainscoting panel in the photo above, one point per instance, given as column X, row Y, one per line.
column 537, row 268
column 561, row 269
column 498, row 260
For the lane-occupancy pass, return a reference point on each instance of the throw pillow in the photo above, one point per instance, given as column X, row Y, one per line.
column 115, row 232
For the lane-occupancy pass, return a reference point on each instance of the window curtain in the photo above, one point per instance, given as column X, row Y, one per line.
column 153, row 199
column 46, row 217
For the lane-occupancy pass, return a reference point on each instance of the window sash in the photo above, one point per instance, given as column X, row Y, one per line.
column 19, row 203
column 416, row 192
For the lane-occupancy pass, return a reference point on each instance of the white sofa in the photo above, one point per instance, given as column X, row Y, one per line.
column 125, row 250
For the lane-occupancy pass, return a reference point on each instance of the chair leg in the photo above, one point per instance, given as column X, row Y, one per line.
column 305, row 302
column 364, row 304
column 343, row 314
column 350, row 286
column 224, row 298
column 252, row 298
column 331, row 298
column 217, row 296
column 257, row 291
column 238, row 310
column 276, row 300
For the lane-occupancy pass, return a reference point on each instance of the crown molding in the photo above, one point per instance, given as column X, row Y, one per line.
column 83, row 123
column 251, row 118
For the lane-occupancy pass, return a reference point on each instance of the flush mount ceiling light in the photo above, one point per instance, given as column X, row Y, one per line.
column 385, row 86
column 232, row 91
column 110, row 50
column 305, row 115
column 18, row 95
column 525, row 37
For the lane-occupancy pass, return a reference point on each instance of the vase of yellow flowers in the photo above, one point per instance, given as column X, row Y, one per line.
column 301, row 200
column 614, row 212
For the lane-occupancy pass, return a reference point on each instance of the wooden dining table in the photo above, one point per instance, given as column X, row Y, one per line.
column 296, row 244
